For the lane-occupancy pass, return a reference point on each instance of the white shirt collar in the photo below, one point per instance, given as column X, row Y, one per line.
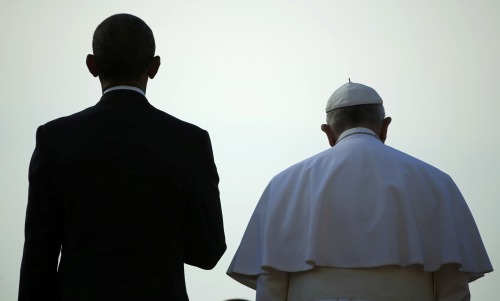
column 131, row 88
column 357, row 130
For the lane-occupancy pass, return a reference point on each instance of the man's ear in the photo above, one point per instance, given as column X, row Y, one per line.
column 153, row 67
column 332, row 138
column 92, row 66
column 384, row 127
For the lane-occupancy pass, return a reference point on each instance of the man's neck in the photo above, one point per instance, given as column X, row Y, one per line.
column 140, row 83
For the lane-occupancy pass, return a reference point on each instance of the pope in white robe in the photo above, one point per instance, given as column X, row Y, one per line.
column 360, row 221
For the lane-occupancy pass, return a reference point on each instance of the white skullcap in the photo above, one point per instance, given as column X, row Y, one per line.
column 352, row 94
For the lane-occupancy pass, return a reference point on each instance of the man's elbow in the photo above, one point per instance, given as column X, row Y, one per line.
column 209, row 259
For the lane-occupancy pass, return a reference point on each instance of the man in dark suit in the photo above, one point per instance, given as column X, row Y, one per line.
column 123, row 192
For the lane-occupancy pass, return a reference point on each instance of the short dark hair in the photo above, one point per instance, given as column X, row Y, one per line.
column 123, row 47
column 344, row 118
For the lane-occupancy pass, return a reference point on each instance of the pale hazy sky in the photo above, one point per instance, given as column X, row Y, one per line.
column 257, row 74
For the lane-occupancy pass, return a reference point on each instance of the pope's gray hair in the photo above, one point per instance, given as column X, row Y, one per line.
column 344, row 118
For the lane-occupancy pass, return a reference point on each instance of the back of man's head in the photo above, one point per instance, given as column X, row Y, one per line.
column 123, row 47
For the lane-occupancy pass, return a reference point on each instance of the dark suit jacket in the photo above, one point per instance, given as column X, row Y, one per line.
column 126, row 194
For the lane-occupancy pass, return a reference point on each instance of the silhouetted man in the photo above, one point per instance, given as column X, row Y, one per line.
column 123, row 192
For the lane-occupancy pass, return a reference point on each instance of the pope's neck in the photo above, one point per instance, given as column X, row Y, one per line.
column 357, row 130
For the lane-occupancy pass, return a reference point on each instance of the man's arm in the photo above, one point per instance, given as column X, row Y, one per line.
column 204, row 239
column 38, row 279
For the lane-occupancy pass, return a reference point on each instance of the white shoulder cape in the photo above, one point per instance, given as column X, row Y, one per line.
column 360, row 204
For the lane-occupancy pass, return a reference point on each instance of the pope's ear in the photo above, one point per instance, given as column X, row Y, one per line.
column 91, row 65
column 327, row 129
column 383, row 129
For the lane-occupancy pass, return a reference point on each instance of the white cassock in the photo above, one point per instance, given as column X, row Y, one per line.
column 359, row 205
